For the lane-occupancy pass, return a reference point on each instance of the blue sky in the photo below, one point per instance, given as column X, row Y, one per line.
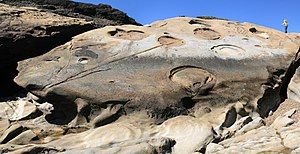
column 269, row 13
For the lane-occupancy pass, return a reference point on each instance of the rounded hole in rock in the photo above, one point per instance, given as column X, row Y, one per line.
column 257, row 45
column 83, row 60
column 52, row 58
column 113, row 33
column 199, row 22
column 170, row 41
column 188, row 102
column 207, row 33
column 130, row 35
column 253, row 30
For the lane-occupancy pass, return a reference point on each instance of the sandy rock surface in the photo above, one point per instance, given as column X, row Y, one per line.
column 181, row 85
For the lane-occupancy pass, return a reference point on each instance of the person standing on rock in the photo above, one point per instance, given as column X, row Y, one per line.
column 285, row 24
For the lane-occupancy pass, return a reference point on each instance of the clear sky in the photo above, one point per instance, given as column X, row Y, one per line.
column 269, row 13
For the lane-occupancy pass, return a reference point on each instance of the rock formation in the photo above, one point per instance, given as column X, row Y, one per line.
column 30, row 31
column 101, row 15
column 181, row 85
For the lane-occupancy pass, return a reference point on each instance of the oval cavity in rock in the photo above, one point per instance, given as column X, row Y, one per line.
column 83, row 60
column 228, row 50
column 128, row 35
column 195, row 80
column 207, row 33
column 198, row 22
column 170, row 41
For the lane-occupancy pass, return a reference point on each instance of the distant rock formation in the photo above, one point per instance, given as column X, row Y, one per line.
column 27, row 31
column 101, row 15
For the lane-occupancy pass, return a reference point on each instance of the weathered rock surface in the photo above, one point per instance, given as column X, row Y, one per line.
column 28, row 29
column 101, row 15
column 174, row 86
column 28, row 32
column 167, row 68
column 16, row 110
column 282, row 136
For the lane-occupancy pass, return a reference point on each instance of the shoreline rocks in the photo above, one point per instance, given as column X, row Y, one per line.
column 181, row 85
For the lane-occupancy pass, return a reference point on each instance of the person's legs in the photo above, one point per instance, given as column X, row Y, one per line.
column 285, row 30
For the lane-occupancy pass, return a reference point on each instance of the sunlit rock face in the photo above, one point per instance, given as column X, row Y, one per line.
column 170, row 65
column 212, row 76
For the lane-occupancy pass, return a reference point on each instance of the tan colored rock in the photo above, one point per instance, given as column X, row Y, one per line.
column 24, row 138
column 13, row 131
column 291, row 136
column 261, row 140
column 4, row 124
column 216, row 70
column 255, row 124
column 162, row 66
column 213, row 148
column 191, row 134
column 16, row 110
column 284, row 120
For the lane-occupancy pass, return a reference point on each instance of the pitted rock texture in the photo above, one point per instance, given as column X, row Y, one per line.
column 30, row 28
column 101, row 15
column 112, row 65
column 132, row 84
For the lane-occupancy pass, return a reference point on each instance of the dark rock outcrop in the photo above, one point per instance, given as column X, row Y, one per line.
column 101, row 15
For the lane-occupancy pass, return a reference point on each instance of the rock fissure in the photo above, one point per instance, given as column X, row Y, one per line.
column 274, row 96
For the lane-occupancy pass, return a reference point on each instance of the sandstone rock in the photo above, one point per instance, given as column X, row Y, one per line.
column 213, row 148
column 167, row 67
column 190, row 134
column 256, row 123
column 291, row 136
column 10, row 133
column 16, row 110
column 262, row 140
column 160, row 145
column 125, row 136
column 293, row 87
column 221, row 72
column 24, row 138
column 4, row 124
column 284, row 120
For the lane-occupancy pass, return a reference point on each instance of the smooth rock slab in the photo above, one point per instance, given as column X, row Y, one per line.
column 291, row 136
column 260, row 140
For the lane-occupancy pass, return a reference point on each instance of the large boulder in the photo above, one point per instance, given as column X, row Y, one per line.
column 167, row 68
